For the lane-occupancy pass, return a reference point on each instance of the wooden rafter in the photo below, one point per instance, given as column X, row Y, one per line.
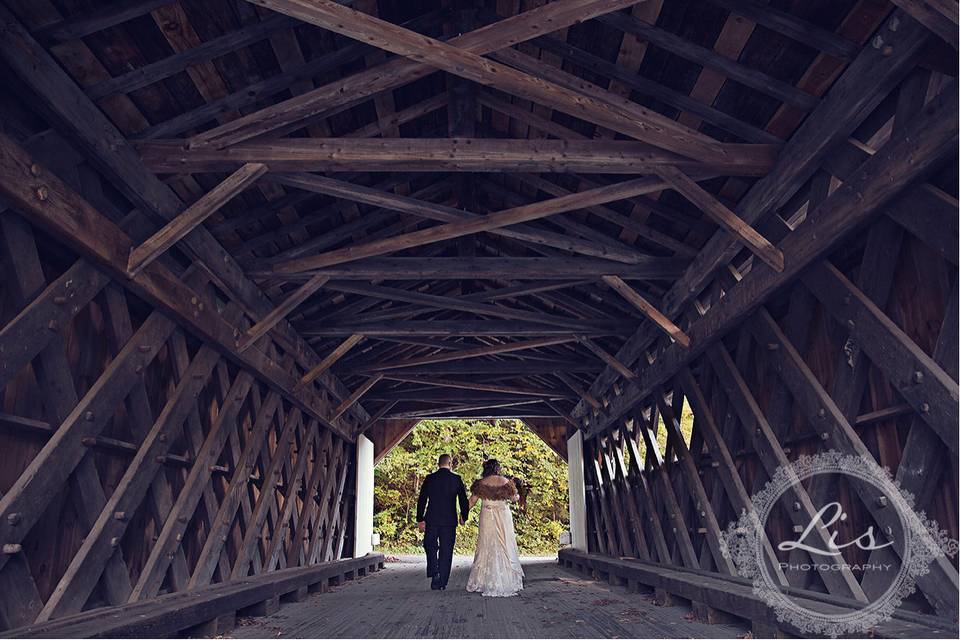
column 279, row 312
column 723, row 216
column 643, row 305
column 193, row 216
column 451, row 154
column 516, row 215
column 925, row 142
column 494, row 349
column 396, row 73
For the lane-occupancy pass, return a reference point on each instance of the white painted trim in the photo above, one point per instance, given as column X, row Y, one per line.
column 363, row 524
column 578, row 495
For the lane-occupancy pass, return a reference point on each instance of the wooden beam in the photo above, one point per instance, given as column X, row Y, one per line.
column 239, row 482
column 357, row 88
column 604, row 355
column 577, row 389
column 455, row 303
column 81, row 576
column 458, row 268
column 329, row 359
column 208, row 50
column 915, row 375
column 253, row 95
column 281, row 311
column 709, row 58
column 904, row 159
column 90, row 22
column 652, row 313
column 792, row 26
column 862, row 86
column 583, row 59
column 69, row 217
column 494, row 349
column 356, row 395
column 453, row 410
column 267, row 497
column 377, row 416
column 607, row 249
column 939, row 16
column 474, row 386
column 84, row 124
column 727, row 219
column 449, row 154
column 635, row 121
column 193, row 216
column 457, row 328
column 500, row 219
column 51, row 467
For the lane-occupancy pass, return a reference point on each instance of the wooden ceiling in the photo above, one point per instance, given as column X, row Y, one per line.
column 483, row 209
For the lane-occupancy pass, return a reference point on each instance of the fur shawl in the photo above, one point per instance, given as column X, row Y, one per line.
column 506, row 491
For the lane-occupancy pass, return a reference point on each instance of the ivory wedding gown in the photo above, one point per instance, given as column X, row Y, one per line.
column 496, row 567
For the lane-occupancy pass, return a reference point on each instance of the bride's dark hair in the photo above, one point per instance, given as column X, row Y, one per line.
column 491, row 468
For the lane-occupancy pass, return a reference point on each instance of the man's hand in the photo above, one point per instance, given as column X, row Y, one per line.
column 422, row 526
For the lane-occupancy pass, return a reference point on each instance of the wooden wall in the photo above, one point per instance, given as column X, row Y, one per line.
column 853, row 357
column 143, row 454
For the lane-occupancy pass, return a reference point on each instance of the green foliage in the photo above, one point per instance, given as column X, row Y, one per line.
column 521, row 453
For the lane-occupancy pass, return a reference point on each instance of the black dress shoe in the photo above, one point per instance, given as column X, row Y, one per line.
column 435, row 583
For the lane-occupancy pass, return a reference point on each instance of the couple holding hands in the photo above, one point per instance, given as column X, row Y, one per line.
column 496, row 567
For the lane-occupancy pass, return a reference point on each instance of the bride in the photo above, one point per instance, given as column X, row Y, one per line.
column 496, row 565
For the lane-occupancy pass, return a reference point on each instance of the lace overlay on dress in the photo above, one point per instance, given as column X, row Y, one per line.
column 496, row 567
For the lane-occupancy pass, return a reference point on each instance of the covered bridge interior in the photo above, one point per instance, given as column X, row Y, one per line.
column 242, row 241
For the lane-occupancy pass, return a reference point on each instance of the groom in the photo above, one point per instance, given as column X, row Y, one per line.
column 437, row 519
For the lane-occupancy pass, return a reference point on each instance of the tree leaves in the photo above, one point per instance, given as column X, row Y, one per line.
column 521, row 453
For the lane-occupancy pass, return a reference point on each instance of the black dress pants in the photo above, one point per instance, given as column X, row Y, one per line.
column 438, row 541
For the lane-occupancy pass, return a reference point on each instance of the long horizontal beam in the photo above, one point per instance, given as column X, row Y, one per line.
column 476, row 386
column 489, row 269
column 449, row 154
column 458, row 328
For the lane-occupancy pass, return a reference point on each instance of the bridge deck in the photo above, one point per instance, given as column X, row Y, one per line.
column 397, row 602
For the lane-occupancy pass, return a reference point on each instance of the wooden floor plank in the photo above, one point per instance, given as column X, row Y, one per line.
column 555, row 603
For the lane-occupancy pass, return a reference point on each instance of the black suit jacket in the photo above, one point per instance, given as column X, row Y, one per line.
column 437, row 504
